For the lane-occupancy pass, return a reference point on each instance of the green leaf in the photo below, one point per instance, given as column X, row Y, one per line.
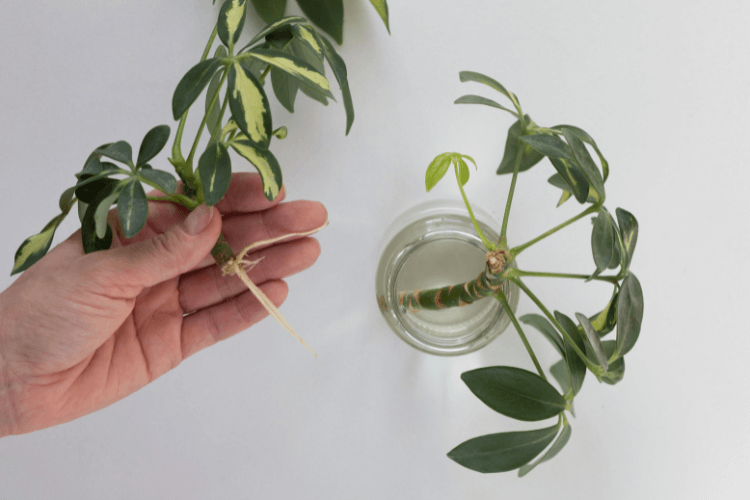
column 436, row 170
column 153, row 143
column 66, row 200
column 249, row 105
column 504, row 451
column 575, row 180
column 603, row 240
column 285, row 88
column 529, row 158
column 214, row 112
column 584, row 160
column 382, row 7
column 327, row 14
column 339, row 71
column 594, row 341
column 102, row 210
column 215, row 170
column 472, row 76
column 549, row 145
column 231, row 21
column 616, row 370
column 120, row 151
column 132, row 207
column 35, row 247
column 91, row 242
column 462, row 174
column 629, row 233
column 165, row 181
column 304, row 52
column 545, row 327
column 280, row 133
column 557, row 181
column 606, row 319
column 273, row 27
column 192, row 84
column 515, row 392
column 629, row 314
column 87, row 189
column 575, row 365
column 294, row 67
column 270, row 10
column 557, row 446
column 476, row 99
column 585, row 137
column 93, row 166
column 307, row 36
column 266, row 164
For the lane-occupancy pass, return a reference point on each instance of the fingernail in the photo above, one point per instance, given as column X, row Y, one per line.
column 199, row 219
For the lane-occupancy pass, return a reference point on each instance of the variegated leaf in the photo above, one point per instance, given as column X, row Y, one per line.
column 215, row 171
column 629, row 229
column 266, row 164
column 231, row 20
column 305, row 53
column 35, row 247
column 584, row 160
column 132, row 207
column 90, row 240
column 573, row 177
column 585, row 137
column 249, row 105
column 273, row 27
column 382, row 7
column 102, row 210
column 307, row 35
column 294, row 67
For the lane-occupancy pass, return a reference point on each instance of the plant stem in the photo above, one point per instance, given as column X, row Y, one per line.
column 265, row 73
column 203, row 122
column 608, row 279
column 517, row 250
column 516, row 167
column 591, row 366
column 217, row 131
column 489, row 246
column 180, row 199
column 500, row 296
column 177, row 146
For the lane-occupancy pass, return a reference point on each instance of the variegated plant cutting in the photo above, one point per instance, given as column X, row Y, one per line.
column 512, row 391
column 293, row 53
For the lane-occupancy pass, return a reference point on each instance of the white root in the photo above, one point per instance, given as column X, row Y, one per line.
column 235, row 266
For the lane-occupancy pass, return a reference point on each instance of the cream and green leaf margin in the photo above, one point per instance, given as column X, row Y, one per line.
column 249, row 105
column 382, row 7
column 231, row 20
column 294, row 67
column 266, row 164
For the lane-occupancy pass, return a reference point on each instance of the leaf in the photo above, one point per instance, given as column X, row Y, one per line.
column 504, row 451
column 87, row 190
column 273, row 27
column 382, row 7
column 231, row 21
column 629, row 314
column 165, row 181
column 556, row 447
column 280, row 133
column 529, row 158
column 66, row 200
column 294, row 67
column 436, row 170
column 603, row 240
column 215, row 170
column 515, row 392
column 549, row 145
column 132, row 207
column 91, row 242
column 339, row 71
column 594, row 341
column 472, row 76
column 214, row 112
column 584, row 160
column 462, row 174
column 545, row 327
column 192, row 84
column 266, row 164
column 304, row 52
column 285, row 88
column 629, row 232
column 585, row 137
column 93, row 166
column 575, row 365
column 327, row 14
column 249, row 105
column 153, row 143
column 35, row 247
column 270, row 10
column 120, row 151
column 307, row 36
column 102, row 210
column 606, row 319
column 616, row 370
column 476, row 99
column 575, row 180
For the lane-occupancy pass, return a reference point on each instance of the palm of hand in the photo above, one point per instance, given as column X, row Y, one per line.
column 77, row 335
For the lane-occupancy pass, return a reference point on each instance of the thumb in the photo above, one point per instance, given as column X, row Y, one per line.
column 167, row 255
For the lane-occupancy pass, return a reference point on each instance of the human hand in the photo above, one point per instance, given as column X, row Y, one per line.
column 81, row 331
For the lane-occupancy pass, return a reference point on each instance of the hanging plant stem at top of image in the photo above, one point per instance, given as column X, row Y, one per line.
column 236, row 116
column 515, row 392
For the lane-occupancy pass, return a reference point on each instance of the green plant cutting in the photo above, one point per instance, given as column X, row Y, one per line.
column 326, row 14
column 292, row 52
column 512, row 391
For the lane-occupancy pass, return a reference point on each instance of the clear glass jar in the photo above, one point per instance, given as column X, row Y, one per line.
column 430, row 246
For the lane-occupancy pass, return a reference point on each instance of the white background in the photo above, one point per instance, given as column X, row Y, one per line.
column 661, row 85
